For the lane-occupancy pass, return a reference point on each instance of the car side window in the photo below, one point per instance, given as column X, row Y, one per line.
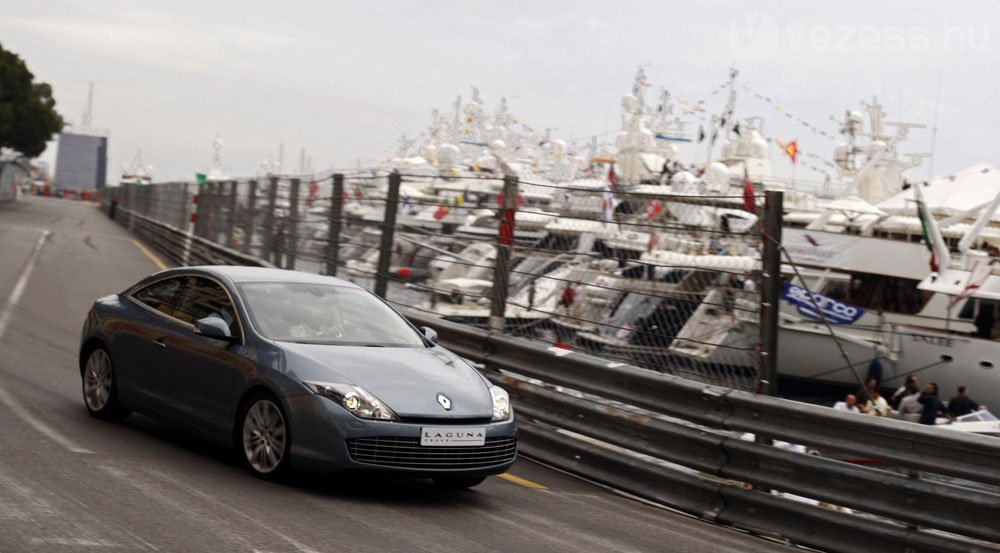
column 202, row 297
column 161, row 296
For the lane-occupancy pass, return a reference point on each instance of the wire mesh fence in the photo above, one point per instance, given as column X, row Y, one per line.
column 637, row 274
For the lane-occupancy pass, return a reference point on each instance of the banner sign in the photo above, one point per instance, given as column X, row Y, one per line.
column 835, row 312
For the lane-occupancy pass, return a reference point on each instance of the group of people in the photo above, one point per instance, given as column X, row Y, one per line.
column 909, row 403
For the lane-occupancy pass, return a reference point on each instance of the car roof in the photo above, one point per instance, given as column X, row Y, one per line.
column 241, row 274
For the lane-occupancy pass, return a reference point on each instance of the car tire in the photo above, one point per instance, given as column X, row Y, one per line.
column 100, row 387
column 459, row 483
column 263, row 438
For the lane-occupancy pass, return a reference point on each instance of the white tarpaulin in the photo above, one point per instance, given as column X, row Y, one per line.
column 970, row 188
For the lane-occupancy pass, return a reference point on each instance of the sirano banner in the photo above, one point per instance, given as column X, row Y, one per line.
column 835, row 312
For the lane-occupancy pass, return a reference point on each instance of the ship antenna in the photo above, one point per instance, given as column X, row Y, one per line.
column 937, row 104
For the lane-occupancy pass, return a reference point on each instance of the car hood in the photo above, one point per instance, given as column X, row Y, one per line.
column 407, row 380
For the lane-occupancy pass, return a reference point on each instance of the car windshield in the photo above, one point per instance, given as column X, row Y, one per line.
column 325, row 314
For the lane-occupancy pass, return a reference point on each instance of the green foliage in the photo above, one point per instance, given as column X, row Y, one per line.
column 28, row 117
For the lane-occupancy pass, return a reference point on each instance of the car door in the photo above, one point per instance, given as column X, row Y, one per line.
column 138, row 344
column 207, row 374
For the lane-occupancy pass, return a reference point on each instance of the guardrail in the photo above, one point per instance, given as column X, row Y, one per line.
column 709, row 467
column 678, row 442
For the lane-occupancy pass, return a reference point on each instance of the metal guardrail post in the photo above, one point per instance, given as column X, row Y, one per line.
column 505, row 243
column 334, row 222
column 770, row 297
column 388, row 230
column 231, row 219
column 130, row 194
column 292, row 226
column 199, row 209
column 267, row 250
column 249, row 217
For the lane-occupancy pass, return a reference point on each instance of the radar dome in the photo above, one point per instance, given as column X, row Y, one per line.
column 630, row 103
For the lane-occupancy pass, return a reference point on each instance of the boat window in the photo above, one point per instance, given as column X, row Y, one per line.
column 968, row 309
column 894, row 295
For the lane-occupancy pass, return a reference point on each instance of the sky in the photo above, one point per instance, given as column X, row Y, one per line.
column 344, row 80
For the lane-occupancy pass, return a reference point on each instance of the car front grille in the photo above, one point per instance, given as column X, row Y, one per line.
column 389, row 451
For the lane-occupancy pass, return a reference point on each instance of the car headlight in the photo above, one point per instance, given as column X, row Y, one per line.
column 356, row 400
column 501, row 403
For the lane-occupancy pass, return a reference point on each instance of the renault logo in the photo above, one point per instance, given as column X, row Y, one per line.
column 444, row 401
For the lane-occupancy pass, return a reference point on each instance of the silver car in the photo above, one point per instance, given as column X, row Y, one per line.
column 294, row 370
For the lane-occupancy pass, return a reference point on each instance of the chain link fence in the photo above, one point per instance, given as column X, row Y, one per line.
column 635, row 274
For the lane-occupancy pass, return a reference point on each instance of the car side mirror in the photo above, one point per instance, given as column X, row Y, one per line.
column 430, row 334
column 213, row 327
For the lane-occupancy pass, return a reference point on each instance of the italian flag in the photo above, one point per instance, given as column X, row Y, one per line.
column 925, row 225
column 940, row 257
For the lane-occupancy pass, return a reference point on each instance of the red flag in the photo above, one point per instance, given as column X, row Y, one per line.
column 749, row 200
column 792, row 151
column 441, row 212
column 313, row 193
column 654, row 209
column 611, row 175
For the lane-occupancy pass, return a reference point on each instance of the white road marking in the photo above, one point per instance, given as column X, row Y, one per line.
column 72, row 542
column 5, row 314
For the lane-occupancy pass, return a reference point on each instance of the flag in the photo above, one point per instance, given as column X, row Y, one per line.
column 736, row 129
column 611, row 175
column 201, row 178
column 358, row 193
column 654, row 239
column 459, row 200
column 465, row 196
column 654, row 209
column 792, row 151
column 932, row 234
column 980, row 272
column 701, row 134
column 749, row 200
column 442, row 210
column 407, row 202
column 715, row 136
column 313, row 193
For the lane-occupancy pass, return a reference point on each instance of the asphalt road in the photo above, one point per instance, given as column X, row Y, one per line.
column 72, row 483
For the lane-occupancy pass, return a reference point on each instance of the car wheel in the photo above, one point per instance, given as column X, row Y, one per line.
column 264, row 437
column 100, row 389
column 458, row 483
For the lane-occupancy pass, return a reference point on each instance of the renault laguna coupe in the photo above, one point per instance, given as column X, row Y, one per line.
column 294, row 370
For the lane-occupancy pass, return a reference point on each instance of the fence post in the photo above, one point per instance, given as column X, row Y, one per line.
column 131, row 205
column 333, row 228
column 231, row 219
column 388, row 229
column 267, row 250
column 292, row 225
column 770, row 296
column 505, row 243
column 250, row 217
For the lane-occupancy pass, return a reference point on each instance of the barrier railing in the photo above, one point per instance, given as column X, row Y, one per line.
column 691, row 454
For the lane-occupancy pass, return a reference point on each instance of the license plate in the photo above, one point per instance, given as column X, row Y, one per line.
column 441, row 437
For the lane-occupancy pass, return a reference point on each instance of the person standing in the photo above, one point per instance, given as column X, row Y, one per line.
column 910, row 407
column 962, row 404
column 932, row 405
column 902, row 391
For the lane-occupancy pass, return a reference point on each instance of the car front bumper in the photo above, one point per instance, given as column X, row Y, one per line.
column 327, row 438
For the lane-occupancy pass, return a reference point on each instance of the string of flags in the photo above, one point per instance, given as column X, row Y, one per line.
column 777, row 107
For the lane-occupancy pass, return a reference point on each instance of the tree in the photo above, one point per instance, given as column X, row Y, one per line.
column 28, row 117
